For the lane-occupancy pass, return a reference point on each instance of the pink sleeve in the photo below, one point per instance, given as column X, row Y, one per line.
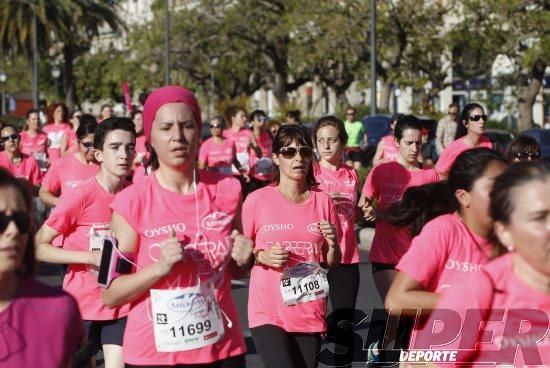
column 126, row 204
column 427, row 253
column 446, row 160
column 51, row 181
column 368, row 189
column 35, row 174
column 64, row 216
column 203, row 152
column 248, row 215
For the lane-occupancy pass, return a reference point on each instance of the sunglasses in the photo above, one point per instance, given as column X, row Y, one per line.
column 215, row 126
column 22, row 221
column 477, row 117
column 523, row 156
column 290, row 152
column 87, row 145
column 11, row 138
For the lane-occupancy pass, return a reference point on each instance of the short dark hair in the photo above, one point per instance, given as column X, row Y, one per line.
column 405, row 122
column 285, row 136
column 332, row 121
column 86, row 127
column 32, row 111
column 134, row 113
column 257, row 113
column 8, row 180
column 230, row 112
column 110, row 124
column 523, row 143
column 294, row 114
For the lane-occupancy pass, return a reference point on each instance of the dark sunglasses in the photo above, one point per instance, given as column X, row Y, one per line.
column 477, row 117
column 291, row 152
column 87, row 145
column 523, row 156
column 13, row 137
column 214, row 126
column 22, row 221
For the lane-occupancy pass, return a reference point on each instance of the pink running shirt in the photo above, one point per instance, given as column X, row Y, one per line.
column 391, row 151
column 55, row 135
column 451, row 152
column 74, row 218
column 262, row 168
column 518, row 319
column 218, row 155
column 41, row 327
column 72, row 142
column 151, row 209
column 346, row 182
column 242, row 140
column 67, row 173
column 27, row 169
column 386, row 184
column 269, row 219
column 31, row 145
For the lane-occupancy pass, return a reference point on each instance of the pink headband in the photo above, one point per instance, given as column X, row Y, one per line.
column 166, row 95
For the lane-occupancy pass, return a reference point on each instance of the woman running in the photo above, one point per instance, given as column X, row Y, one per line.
column 452, row 245
column 341, row 182
column 181, row 226
column 469, row 134
column 69, row 171
column 218, row 153
column 34, row 142
column 387, row 151
column 295, row 227
column 501, row 313
column 261, row 167
column 40, row 325
column 83, row 217
column 56, row 128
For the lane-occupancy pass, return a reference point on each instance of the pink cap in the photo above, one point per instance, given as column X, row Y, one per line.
column 166, row 95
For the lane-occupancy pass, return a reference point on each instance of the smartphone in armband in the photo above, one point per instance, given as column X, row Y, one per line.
column 112, row 264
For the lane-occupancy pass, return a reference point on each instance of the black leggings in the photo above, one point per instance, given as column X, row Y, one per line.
column 233, row 362
column 278, row 348
column 344, row 287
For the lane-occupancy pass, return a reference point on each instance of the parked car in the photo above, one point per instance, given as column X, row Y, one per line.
column 376, row 127
column 543, row 137
column 500, row 138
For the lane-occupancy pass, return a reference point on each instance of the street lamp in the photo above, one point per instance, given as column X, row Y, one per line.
column 55, row 75
column 3, row 79
column 213, row 65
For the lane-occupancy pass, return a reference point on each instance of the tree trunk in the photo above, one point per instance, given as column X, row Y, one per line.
column 385, row 93
column 527, row 100
column 68, row 80
column 279, row 89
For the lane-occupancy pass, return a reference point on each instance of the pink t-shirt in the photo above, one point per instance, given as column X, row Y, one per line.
column 451, row 152
column 262, row 168
column 66, row 173
column 219, row 156
column 242, row 140
column 76, row 217
column 41, row 327
column 31, row 145
column 498, row 318
column 55, row 135
column 386, row 184
column 150, row 210
column 27, row 169
column 346, row 182
column 391, row 151
column 72, row 142
column 269, row 219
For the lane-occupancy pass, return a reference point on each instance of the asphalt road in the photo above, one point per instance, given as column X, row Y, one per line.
column 367, row 301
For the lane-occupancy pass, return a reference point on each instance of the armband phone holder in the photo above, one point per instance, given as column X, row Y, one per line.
column 112, row 264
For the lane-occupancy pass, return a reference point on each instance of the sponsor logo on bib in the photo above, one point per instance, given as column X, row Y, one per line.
column 216, row 221
column 302, row 269
column 186, row 302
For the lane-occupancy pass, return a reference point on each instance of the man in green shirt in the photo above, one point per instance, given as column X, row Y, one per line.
column 356, row 137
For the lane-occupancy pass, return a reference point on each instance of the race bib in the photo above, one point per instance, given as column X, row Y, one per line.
column 243, row 158
column 97, row 234
column 225, row 169
column 186, row 319
column 303, row 283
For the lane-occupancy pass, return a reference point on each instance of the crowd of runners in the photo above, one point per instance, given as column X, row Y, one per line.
column 464, row 244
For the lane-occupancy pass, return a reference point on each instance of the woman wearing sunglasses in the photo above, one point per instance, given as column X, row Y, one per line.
column 69, row 171
column 523, row 148
column 385, row 186
column 469, row 134
column 181, row 224
column 295, row 227
column 40, row 325
column 218, row 153
column 19, row 164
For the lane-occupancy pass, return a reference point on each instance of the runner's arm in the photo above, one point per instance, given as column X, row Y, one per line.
column 48, row 197
column 407, row 296
column 377, row 159
column 46, row 252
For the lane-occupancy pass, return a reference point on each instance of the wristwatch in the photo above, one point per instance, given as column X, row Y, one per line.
column 256, row 253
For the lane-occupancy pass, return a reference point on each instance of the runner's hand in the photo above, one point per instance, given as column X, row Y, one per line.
column 329, row 232
column 171, row 252
column 368, row 212
column 242, row 248
column 274, row 256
